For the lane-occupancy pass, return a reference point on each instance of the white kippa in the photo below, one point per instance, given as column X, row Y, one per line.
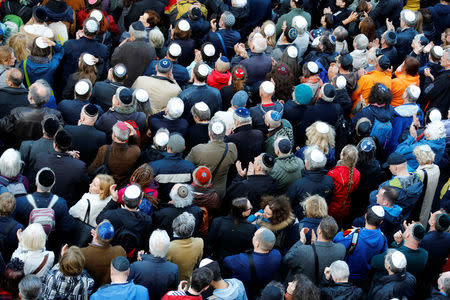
column 312, row 67
column 203, row 70
column 41, row 43
column 175, row 50
column 161, row 138
column 89, row 59
column 184, row 25
column 317, row 156
column 269, row 30
column 399, row 260
column 435, row 115
column 82, row 87
column 217, row 127
column 268, row 87
column 209, row 50
column 341, row 82
column 299, row 22
column 91, row 25
column 96, row 14
column 141, row 95
column 414, row 91
column 378, row 210
column 175, row 107
column 409, row 16
column 201, row 106
column 204, row 262
column 292, row 51
column 322, row 127
column 132, row 192
column 239, row 3
column 438, row 51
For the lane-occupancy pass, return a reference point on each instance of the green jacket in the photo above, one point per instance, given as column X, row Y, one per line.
column 286, row 171
column 284, row 130
column 289, row 16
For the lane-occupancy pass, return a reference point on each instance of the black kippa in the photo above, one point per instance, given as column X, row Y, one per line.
column 91, row 110
column 442, row 222
column 51, row 126
column 45, row 177
column 63, row 140
column 384, row 62
column 284, row 146
column 328, row 92
column 120, row 263
column 125, row 96
column 195, row 13
column 418, row 231
column 268, row 160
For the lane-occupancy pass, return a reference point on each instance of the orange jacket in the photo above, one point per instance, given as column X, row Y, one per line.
column 366, row 82
column 399, row 85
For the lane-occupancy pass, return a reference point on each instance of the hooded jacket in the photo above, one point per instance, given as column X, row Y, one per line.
column 286, row 171
column 218, row 80
column 399, row 85
column 381, row 113
column 127, row 290
column 234, row 291
column 286, row 232
column 407, row 147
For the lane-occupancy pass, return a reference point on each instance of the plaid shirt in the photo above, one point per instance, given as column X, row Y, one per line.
column 59, row 286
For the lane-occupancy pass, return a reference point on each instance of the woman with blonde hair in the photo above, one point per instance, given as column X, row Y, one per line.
column 323, row 136
column 86, row 70
column 268, row 31
column 346, row 179
column 31, row 250
column 314, row 208
column 97, row 198
column 19, row 43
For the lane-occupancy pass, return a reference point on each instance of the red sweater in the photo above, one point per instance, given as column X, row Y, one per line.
column 218, row 80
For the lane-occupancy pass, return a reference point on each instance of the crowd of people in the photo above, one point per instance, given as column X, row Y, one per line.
column 225, row 149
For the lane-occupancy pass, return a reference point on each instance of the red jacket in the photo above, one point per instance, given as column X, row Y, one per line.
column 111, row 24
column 341, row 175
column 218, row 80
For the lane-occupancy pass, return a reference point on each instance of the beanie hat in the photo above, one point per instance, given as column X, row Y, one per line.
column 268, row 160
column 303, row 94
column 222, row 64
column 229, row 19
column 418, row 231
column 202, row 176
column 164, row 66
column 442, row 222
column 176, row 143
column 91, row 110
column 132, row 196
column 328, row 92
column 63, row 140
column 106, row 231
column 51, row 126
column 390, row 37
column 284, row 145
column 125, row 96
column 45, row 177
column 239, row 99
column 175, row 107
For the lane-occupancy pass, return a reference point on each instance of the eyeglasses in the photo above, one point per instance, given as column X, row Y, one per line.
column 250, row 208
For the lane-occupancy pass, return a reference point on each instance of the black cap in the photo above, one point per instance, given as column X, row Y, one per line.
column 91, row 110
column 63, row 140
column 121, row 264
column 442, row 222
column 51, row 126
column 395, row 159
column 284, row 146
column 384, row 62
column 268, row 160
column 418, row 231
column 195, row 13
column 46, row 177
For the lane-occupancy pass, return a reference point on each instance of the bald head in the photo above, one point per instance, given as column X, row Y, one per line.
column 39, row 92
column 14, row 77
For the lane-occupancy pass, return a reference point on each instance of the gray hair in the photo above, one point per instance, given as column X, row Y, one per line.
column 371, row 56
column 313, row 165
column 156, row 38
column 340, row 33
column 121, row 135
column 266, row 170
column 178, row 201
column 184, row 225
column 388, row 261
column 216, row 137
column 259, row 44
column 30, row 287
column 407, row 23
column 339, row 270
column 159, row 243
column 138, row 34
column 201, row 115
column 444, row 282
column 409, row 97
column 10, row 163
column 241, row 120
column 361, row 41
column 40, row 92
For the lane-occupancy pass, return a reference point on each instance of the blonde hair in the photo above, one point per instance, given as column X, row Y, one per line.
column 18, row 42
column 324, row 141
column 271, row 41
column 72, row 262
column 349, row 157
column 34, row 237
column 105, row 183
column 315, row 206
column 424, row 154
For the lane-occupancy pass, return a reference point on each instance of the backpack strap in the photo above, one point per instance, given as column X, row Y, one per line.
column 4, row 181
column 31, row 201
column 39, row 268
column 255, row 282
column 53, row 201
column 27, row 79
column 221, row 160
column 222, row 42
column 316, row 264
column 88, row 212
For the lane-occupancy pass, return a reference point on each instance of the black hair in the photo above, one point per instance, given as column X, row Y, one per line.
column 329, row 23
column 215, row 268
column 201, row 278
column 372, row 218
column 380, row 94
column 298, row 3
column 238, row 206
column 390, row 193
column 305, row 289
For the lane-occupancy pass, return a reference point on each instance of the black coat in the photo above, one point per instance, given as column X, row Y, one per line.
column 87, row 140
column 394, row 286
column 387, row 9
column 293, row 112
column 11, row 98
column 197, row 134
column 225, row 238
column 103, row 92
column 106, row 122
column 30, row 149
column 249, row 143
column 71, row 175
column 437, row 93
column 165, row 216
column 341, row 291
column 138, row 8
column 71, row 109
column 157, row 121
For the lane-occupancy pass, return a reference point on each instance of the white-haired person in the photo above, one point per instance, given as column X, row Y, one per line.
column 433, row 136
column 10, row 176
column 152, row 270
column 337, row 284
column 31, row 250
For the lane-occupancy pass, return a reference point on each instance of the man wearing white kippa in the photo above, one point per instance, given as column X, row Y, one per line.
column 399, row 284
column 407, row 32
column 217, row 155
column 170, row 118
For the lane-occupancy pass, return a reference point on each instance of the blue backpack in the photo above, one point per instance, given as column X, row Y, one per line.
column 382, row 131
column 323, row 72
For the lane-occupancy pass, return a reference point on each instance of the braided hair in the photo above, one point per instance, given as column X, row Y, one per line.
column 349, row 157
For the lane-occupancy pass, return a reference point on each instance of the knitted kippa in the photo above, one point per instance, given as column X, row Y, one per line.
column 303, row 94
column 202, row 176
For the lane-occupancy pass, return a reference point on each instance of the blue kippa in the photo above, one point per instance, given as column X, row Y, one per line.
column 367, row 144
column 164, row 66
column 390, row 38
column 285, row 146
column 239, row 99
column 106, row 231
column 384, row 62
column 125, row 96
column 242, row 112
column 276, row 116
column 303, row 94
column 224, row 59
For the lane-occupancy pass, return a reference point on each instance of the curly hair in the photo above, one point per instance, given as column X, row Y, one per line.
column 144, row 176
column 284, row 82
column 280, row 207
column 19, row 43
column 324, row 141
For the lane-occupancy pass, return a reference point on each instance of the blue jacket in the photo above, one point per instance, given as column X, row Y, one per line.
column 370, row 243
column 230, row 38
column 440, row 14
column 11, row 241
column 403, row 116
column 46, row 70
column 197, row 93
column 234, row 291
column 372, row 112
column 257, row 65
column 157, row 121
column 71, row 109
column 129, row 291
column 199, row 27
column 407, row 147
column 180, row 73
column 404, row 39
column 312, row 224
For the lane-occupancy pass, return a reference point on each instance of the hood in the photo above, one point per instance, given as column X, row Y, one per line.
column 407, row 110
column 218, row 77
column 290, row 163
column 280, row 226
column 230, row 293
column 382, row 113
column 394, row 211
column 371, row 237
column 14, row 91
column 352, row 80
column 310, row 222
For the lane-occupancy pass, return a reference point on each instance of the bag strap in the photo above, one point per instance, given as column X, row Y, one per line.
column 27, row 79
column 353, row 243
column 222, row 42
column 316, row 264
column 220, row 162
column 53, row 201
column 255, row 282
column 31, row 201
column 39, row 268
column 88, row 212
column 105, row 163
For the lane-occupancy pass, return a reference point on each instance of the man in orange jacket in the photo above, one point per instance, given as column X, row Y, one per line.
column 406, row 74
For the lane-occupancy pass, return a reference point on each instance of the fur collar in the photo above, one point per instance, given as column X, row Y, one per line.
column 274, row 228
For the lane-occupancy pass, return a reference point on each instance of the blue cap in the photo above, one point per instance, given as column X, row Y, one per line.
column 239, row 99
column 390, row 38
column 120, row 263
column 303, row 94
column 242, row 112
column 276, row 116
column 164, row 66
column 106, row 231
column 224, row 59
column 395, row 159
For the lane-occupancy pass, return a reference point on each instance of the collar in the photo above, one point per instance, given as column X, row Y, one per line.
column 199, row 84
column 38, row 59
column 163, row 78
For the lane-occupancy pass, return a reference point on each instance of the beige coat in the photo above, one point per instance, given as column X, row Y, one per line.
column 433, row 174
column 159, row 90
column 209, row 155
column 185, row 254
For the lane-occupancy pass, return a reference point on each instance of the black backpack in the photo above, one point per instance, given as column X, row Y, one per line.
column 129, row 240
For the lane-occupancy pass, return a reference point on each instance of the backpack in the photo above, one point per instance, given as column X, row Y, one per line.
column 4, row 232
column 128, row 240
column 43, row 216
column 15, row 188
column 382, row 131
